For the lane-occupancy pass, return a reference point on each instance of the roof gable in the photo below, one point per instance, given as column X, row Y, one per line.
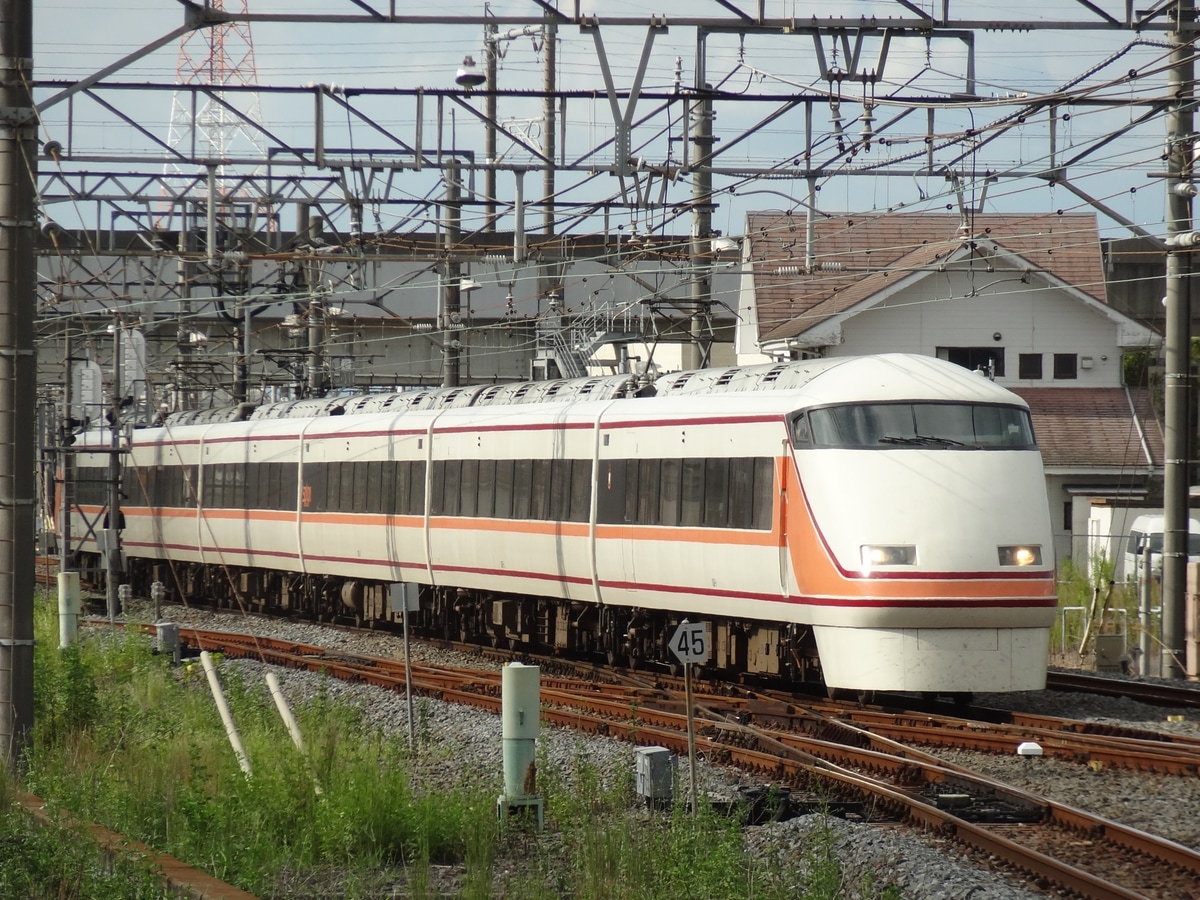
column 857, row 259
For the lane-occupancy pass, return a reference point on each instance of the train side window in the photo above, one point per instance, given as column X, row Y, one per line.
column 132, row 485
column 333, row 485
column 344, row 501
column 401, row 504
column 264, row 485
column 288, row 476
column 254, row 486
column 716, row 492
column 648, row 484
column 540, row 490
column 691, row 505
column 629, row 514
column 669, row 480
column 163, row 484
column 235, row 486
column 316, row 483
column 417, row 487
column 610, row 500
column 363, row 487
column 225, row 492
column 436, row 487
column 373, row 482
column 150, row 484
column 450, row 487
column 385, row 488
column 741, row 492
column 763, row 505
column 191, row 486
column 214, row 484
column 504, row 488
column 801, row 431
column 522, row 487
column 172, row 486
column 560, row 489
column 268, row 486
column 468, row 488
column 485, row 499
column 581, row 489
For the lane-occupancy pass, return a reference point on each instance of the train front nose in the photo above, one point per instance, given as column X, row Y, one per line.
column 944, row 570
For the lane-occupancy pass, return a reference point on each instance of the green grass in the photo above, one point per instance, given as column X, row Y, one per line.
column 123, row 739
column 60, row 863
column 1117, row 604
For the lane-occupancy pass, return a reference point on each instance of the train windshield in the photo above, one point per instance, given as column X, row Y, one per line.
column 948, row 426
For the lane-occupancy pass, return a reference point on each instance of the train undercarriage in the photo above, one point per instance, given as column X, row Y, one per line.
column 618, row 635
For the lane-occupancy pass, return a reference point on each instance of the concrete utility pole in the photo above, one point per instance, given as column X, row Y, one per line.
column 451, row 299
column 66, row 561
column 1180, row 140
column 549, row 123
column 491, row 58
column 18, row 376
column 696, row 352
column 112, row 535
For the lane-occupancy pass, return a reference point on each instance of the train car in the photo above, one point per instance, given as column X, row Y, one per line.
column 875, row 523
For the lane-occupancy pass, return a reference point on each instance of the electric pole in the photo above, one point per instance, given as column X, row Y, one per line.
column 18, row 376
column 1180, row 141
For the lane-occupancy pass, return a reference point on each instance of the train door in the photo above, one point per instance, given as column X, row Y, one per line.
column 612, row 507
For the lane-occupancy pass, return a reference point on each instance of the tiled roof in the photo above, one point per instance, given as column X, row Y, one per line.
column 1095, row 427
column 790, row 301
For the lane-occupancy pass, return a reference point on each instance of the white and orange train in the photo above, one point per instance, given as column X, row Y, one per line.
column 878, row 523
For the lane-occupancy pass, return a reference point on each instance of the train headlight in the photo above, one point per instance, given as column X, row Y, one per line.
column 874, row 555
column 1021, row 555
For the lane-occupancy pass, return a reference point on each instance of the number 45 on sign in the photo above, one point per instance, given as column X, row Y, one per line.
column 689, row 643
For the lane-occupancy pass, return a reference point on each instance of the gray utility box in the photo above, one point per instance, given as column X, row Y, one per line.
column 655, row 773
column 1110, row 650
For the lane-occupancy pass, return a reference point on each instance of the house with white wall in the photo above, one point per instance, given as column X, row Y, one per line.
column 1021, row 298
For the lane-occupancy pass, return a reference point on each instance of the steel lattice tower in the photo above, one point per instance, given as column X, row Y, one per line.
column 218, row 129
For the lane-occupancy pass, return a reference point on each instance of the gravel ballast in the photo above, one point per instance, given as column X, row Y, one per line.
column 871, row 857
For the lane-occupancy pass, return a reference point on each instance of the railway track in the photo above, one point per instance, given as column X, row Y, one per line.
column 1155, row 693
column 817, row 755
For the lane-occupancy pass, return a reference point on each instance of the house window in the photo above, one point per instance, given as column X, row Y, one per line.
column 1065, row 365
column 1030, row 366
column 989, row 359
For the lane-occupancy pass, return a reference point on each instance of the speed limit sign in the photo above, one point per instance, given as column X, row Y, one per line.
column 689, row 643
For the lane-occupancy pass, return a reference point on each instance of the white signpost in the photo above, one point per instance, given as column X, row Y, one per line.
column 689, row 643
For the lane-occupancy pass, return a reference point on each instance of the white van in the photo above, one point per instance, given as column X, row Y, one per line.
column 1149, row 529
